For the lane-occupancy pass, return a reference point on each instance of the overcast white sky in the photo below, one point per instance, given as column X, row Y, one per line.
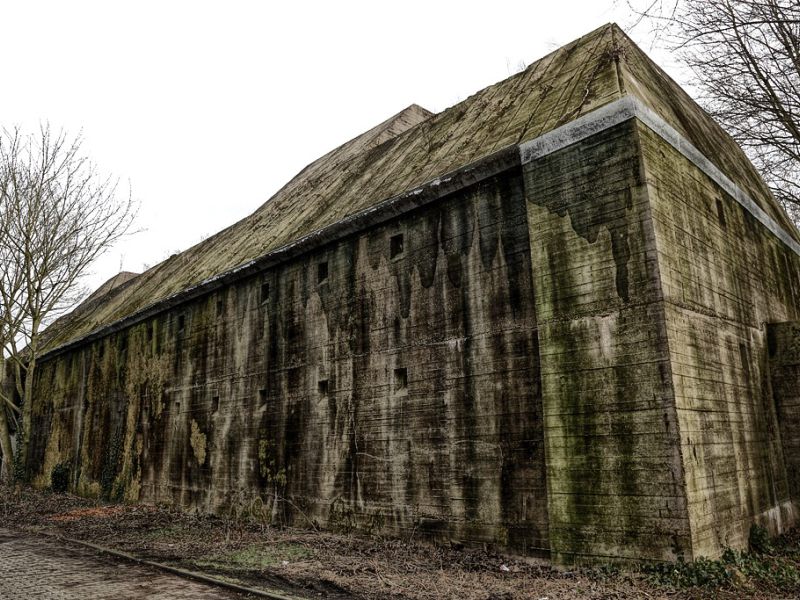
column 209, row 107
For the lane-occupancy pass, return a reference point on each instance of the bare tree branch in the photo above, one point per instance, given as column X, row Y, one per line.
column 58, row 214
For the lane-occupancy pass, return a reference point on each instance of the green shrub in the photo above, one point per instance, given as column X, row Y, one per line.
column 701, row 572
column 759, row 540
column 732, row 569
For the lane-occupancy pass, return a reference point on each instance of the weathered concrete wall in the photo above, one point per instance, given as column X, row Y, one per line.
column 570, row 359
column 724, row 276
column 783, row 341
column 614, row 471
column 395, row 394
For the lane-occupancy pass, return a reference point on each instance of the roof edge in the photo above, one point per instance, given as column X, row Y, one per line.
column 631, row 85
column 515, row 155
column 423, row 195
column 629, row 107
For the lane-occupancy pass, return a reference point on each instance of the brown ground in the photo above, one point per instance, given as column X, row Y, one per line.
column 316, row 564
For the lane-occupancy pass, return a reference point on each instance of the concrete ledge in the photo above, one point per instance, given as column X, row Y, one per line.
column 631, row 107
column 682, row 145
column 598, row 120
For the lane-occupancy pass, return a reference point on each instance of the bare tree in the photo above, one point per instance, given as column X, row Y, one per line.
column 745, row 55
column 57, row 215
column 11, row 312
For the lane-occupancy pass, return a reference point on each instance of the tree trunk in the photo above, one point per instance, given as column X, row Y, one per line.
column 7, row 467
column 6, row 450
column 27, row 406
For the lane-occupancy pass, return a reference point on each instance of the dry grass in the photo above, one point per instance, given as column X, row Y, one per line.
column 330, row 565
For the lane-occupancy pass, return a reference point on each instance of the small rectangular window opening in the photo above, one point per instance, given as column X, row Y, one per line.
column 322, row 271
column 220, row 307
column 123, row 343
column 396, row 245
column 721, row 212
column 745, row 358
column 400, row 379
column 262, row 396
column 149, row 333
column 323, row 387
column 264, row 292
column 101, row 350
column 177, row 406
column 181, row 322
column 214, row 404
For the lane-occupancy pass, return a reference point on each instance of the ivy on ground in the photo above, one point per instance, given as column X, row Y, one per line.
column 769, row 563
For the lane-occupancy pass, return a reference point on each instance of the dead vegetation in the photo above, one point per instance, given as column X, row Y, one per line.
column 326, row 565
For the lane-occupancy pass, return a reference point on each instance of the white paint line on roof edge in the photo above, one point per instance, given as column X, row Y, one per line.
column 626, row 108
column 598, row 120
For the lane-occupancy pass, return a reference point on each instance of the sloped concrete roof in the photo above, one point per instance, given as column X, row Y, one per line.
column 415, row 147
column 110, row 285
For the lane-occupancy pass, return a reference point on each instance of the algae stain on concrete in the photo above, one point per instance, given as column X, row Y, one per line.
column 199, row 442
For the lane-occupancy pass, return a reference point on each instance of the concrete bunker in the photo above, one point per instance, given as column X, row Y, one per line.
column 524, row 321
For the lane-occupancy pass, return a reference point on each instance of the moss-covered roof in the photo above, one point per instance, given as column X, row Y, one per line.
column 415, row 147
